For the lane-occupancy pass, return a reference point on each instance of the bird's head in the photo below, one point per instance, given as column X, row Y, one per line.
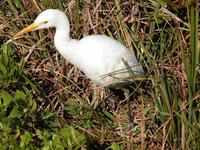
column 46, row 19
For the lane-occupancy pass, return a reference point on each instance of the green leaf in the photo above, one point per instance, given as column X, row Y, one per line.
column 31, row 84
column 115, row 146
column 7, row 98
column 6, row 53
column 21, row 64
column 11, row 71
column 65, row 132
column 2, row 147
column 56, row 138
column 58, row 145
column 25, row 140
column 15, row 113
column 20, row 95
column 3, row 69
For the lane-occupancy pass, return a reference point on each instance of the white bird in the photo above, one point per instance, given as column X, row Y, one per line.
column 100, row 57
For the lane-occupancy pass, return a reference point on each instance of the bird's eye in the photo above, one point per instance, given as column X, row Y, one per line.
column 45, row 22
column 42, row 23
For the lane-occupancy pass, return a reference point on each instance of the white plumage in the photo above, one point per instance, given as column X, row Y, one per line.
column 100, row 57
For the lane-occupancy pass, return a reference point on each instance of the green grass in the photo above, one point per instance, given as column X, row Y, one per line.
column 45, row 102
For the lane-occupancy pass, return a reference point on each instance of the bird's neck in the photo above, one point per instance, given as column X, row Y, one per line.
column 62, row 34
column 66, row 46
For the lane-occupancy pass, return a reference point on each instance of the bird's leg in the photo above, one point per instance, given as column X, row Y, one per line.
column 126, row 94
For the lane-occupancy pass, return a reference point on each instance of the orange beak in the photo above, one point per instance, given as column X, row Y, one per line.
column 29, row 28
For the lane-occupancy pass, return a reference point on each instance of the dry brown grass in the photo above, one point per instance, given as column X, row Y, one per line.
column 149, row 32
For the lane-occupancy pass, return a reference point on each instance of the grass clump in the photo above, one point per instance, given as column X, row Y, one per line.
column 45, row 101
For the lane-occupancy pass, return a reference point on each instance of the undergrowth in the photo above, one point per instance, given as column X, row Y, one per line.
column 45, row 102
